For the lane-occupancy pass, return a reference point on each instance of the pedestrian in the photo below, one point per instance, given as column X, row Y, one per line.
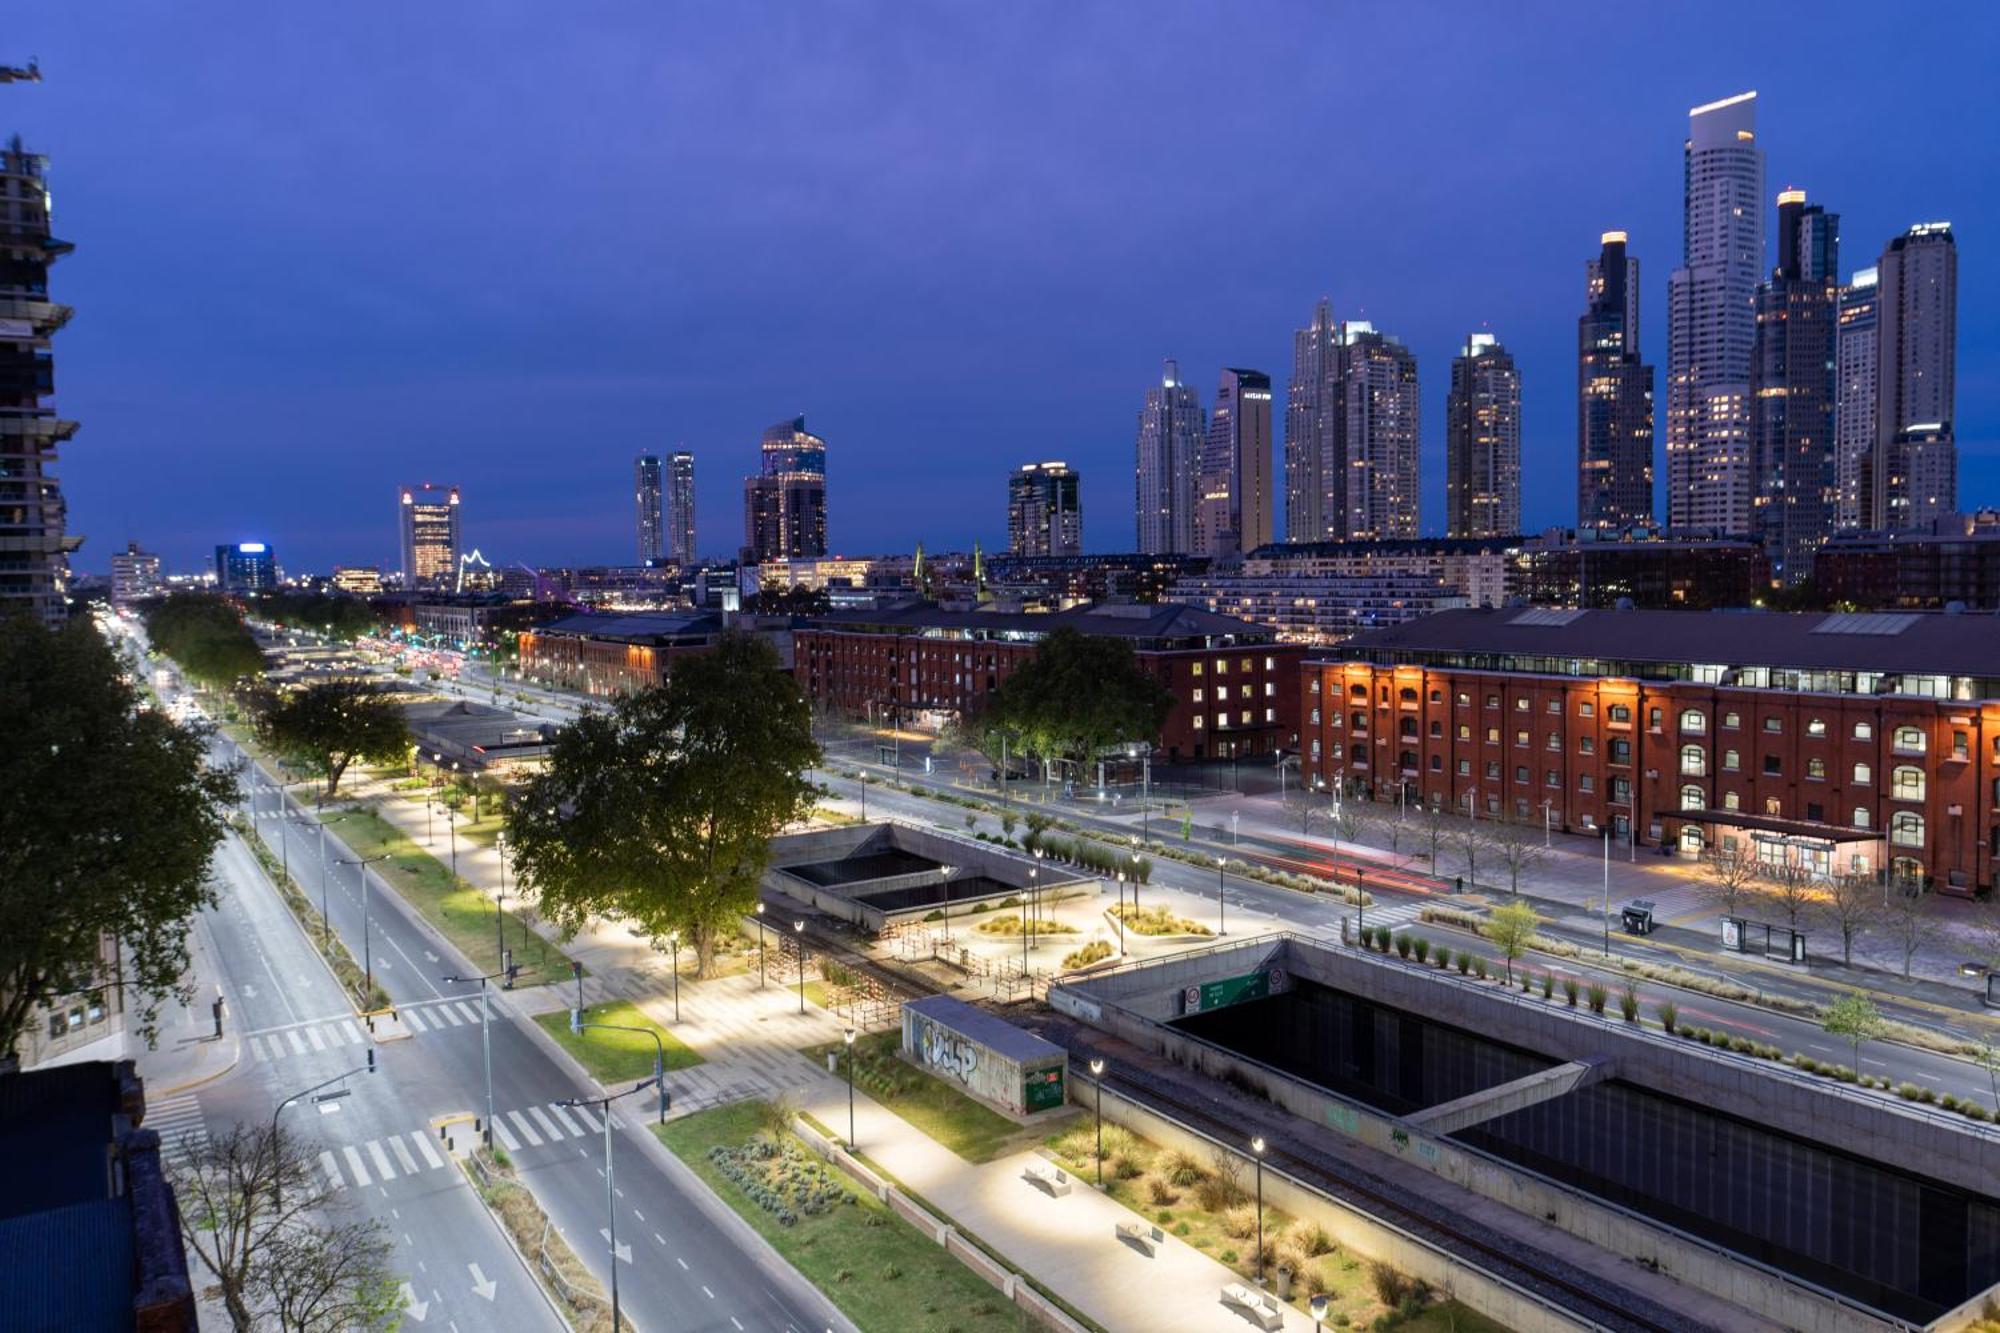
column 216, row 1009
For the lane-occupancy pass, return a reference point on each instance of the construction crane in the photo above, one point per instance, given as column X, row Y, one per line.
column 31, row 73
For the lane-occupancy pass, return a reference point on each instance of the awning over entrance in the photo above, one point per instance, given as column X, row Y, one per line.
column 1789, row 828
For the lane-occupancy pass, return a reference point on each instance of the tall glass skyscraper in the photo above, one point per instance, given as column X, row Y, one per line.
column 784, row 505
column 1482, row 448
column 1044, row 512
column 1711, row 321
column 1233, row 514
column 427, row 523
column 1315, row 500
column 680, row 508
column 1614, row 397
column 646, row 499
column 1794, row 386
column 1379, row 412
column 1171, row 427
column 1913, row 477
column 1854, row 397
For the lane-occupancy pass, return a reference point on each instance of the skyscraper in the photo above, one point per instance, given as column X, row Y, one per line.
column 784, row 505
column 242, row 567
column 1913, row 476
column 427, row 521
column 646, row 499
column 1171, row 426
column 1711, row 320
column 1233, row 513
column 1854, row 396
column 1044, row 516
column 135, row 574
column 1793, row 387
column 1482, row 448
column 1614, row 397
column 680, row 508
column 1315, row 501
column 34, row 549
column 1378, row 434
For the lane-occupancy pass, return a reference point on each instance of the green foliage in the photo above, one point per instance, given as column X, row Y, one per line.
column 1510, row 928
column 1854, row 1017
column 328, row 725
column 206, row 635
column 1079, row 696
column 108, row 817
column 661, row 809
column 336, row 615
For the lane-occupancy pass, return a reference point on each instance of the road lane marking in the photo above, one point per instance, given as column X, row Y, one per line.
column 381, row 1160
column 471, row 1014
column 567, row 1123
column 312, row 1035
column 527, row 1130
column 298, row 1045
column 354, row 1165
column 507, row 1140
column 423, row 1142
column 403, row 1158
column 589, row 1118
column 332, row 1169
column 409, row 1017
column 546, row 1123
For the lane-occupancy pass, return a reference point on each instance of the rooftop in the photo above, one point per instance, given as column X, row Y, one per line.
column 1125, row 620
column 995, row 1034
column 640, row 627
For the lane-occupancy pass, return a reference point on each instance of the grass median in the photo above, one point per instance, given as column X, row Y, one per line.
column 877, row 1268
column 970, row 1129
column 617, row 1057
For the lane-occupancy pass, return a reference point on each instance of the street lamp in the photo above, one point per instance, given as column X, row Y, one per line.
column 1121, row 914
column 760, row 945
column 1097, row 1081
column 1135, row 881
column 674, row 943
column 659, row 1079
column 1317, row 1305
column 799, row 929
column 849, row 1036
column 1607, row 890
column 610, row 1181
column 367, row 947
column 1032, row 872
column 486, row 1036
column 1221, row 904
column 1235, row 837
column 278, row 1177
column 1257, row 1151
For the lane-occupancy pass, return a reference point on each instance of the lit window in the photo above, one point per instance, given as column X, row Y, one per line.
column 1199, row 694
column 1586, row 709
column 1521, row 705
column 1732, row 720
column 1731, row 801
column 1693, row 719
column 1816, row 726
column 1861, row 816
column 1864, row 731
column 1222, row 666
column 1621, row 713
column 1906, row 829
column 1906, row 783
column 1774, row 724
column 1863, row 773
column 1815, row 767
column 1195, row 670
column 1694, row 762
column 1692, row 798
column 1198, row 720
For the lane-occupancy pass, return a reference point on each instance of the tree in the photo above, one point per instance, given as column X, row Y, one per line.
column 1470, row 839
column 1988, row 1058
column 1511, row 928
column 335, row 615
column 109, row 814
column 1077, row 697
column 1852, row 903
column 207, row 636
column 1303, row 807
column 328, row 725
column 1730, row 875
column 1519, row 846
column 662, row 809
column 1436, row 823
column 253, row 1207
column 1350, row 821
column 1855, row 1018
column 1794, row 885
column 1907, row 921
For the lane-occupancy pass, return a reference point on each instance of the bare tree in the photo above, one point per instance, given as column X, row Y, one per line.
column 1519, row 846
column 1730, row 876
column 1907, row 921
column 253, row 1208
column 1794, row 887
column 1469, row 839
column 1436, row 824
column 1852, row 904
column 1305, row 809
column 1350, row 821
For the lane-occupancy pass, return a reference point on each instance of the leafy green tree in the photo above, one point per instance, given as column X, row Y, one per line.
column 326, row 726
column 662, row 809
column 1855, row 1018
column 336, row 615
column 1512, row 928
column 1077, row 697
column 206, row 635
column 108, row 816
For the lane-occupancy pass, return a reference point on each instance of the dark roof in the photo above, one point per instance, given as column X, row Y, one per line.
column 1129, row 620
column 1913, row 643
column 639, row 627
column 995, row 1034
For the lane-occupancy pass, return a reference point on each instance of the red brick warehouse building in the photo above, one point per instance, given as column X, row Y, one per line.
column 1847, row 742
column 1235, row 688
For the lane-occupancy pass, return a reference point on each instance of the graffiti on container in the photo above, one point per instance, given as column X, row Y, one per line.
column 947, row 1052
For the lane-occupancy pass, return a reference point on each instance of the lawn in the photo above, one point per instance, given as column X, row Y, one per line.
column 617, row 1057
column 877, row 1268
column 955, row 1120
column 459, row 910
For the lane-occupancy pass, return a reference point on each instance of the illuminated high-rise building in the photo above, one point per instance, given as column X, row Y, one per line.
column 680, row 508
column 427, row 521
column 784, row 505
column 245, row 567
column 1614, row 397
column 1482, row 446
column 649, row 515
column 1315, row 500
column 1712, row 321
column 1854, row 396
column 1793, row 387
column 1171, row 430
column 1378, row 434
column 1233, row 503
column 1044, row 514
column 1913, row 475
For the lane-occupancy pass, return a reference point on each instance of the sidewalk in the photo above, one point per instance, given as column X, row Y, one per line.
column 187, row 1053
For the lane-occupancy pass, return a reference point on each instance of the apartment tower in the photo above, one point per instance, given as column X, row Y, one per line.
column 1913, row 476
column 650, row 516
column 1169, row 448
column 680, row 508
column 427, row 526
column 1614, row 397
column 784, row 505
column 1315, row 500
column 1378, row 434
column 1854, row 397
column 1043, row 513
column 1794, row 386
column 1234, row 511
column 1482, row 449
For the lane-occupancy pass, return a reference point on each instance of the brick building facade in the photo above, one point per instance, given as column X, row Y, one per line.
column 1235, row 688
column 1864, row 743
column 608, row 655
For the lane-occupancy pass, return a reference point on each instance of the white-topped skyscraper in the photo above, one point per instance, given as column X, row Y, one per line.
column 1314, row 499
column 1378, row 434
column 1854, row 396
column 680, row 508
column 646, row 499
column 1171, row 427
column 427, row 522
column 1614, row 397
column 1913, row 475
column 1482, row 447
column 1712, row 321
column 1044, row 511
column 1233, row 514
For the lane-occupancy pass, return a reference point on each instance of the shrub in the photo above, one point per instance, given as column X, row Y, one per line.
column 1182, row 1169
column 1569, row 990
column 1479, row 967
column 1464, row 962
column 1227, row 1256
column 1927, row 1095
column 1628, row 1004
column 1181, row 1228
column 1391, row 1287
column 1548, row 986
column 1527, row 983
column 1907, row 1091
column 1670, row 1015
column 1159, row 1191
column 1403, row 943
column 1314, row 1240
column 1597, row 996
column 1383, row 938
column 1421, row 947
column 1126, row 1167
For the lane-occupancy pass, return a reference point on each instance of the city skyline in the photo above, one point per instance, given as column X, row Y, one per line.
column 108, row 117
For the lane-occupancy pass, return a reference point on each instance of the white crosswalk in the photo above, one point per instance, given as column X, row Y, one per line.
column 1392, row 915
column 433, row 1015
column 330, row 1034
column 177, row 1120
column 383, row 1159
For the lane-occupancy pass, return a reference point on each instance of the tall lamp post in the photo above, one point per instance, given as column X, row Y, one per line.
column 1221, row 904
column 277, row 1179
column 760, row 944
column 1121, row 914
column 1097, row 1081
column 1257, row 1151
column 603, row 1105
column 674, row 943
column 367, row 947
column 486, row 1036
column 1135, row 881
column 1607, row 890
column 659, row 1078
column 326, row 922
column 799, row 930
column 849, row 1038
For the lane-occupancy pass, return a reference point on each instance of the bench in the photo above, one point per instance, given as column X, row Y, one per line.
column 1053, row 1179
column 1146, row 1236
column 1253, row 1306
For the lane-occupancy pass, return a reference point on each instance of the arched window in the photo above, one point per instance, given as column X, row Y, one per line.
column 1693, row 719
column 1864, row 731
column 1694, row 763
column 1360, row 721
column 1910, row 739
column 1692, row 797
column 1407, row 758
column 1906, row 782
column 1621, row 713
column 1862, row 819
column 1907, row 871
column 1409, row 728
column 1863, row 773
column 1773, row 807
column 1732, row 760
column 1409, row 695
column 1906, row 829
column 1357, row 691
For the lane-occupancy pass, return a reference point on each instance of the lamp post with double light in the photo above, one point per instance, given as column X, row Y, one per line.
column 603, row 1105
column 1121, row 914
column 277, row 1178
column 674, row 944
column 848, row 1036
column 1221, row 904
column 486, row 1036
column 367, row 946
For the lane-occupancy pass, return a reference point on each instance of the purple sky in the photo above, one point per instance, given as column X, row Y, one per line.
column 326, row 249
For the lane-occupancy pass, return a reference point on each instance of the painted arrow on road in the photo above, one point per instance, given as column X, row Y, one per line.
column 624, row 1252
column 482, row 1285
column 413, row 1307
column 428, row 954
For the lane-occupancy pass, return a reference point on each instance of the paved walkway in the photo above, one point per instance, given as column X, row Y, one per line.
column 188, row 1053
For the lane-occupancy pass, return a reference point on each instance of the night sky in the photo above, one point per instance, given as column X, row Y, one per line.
column 323, row 250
